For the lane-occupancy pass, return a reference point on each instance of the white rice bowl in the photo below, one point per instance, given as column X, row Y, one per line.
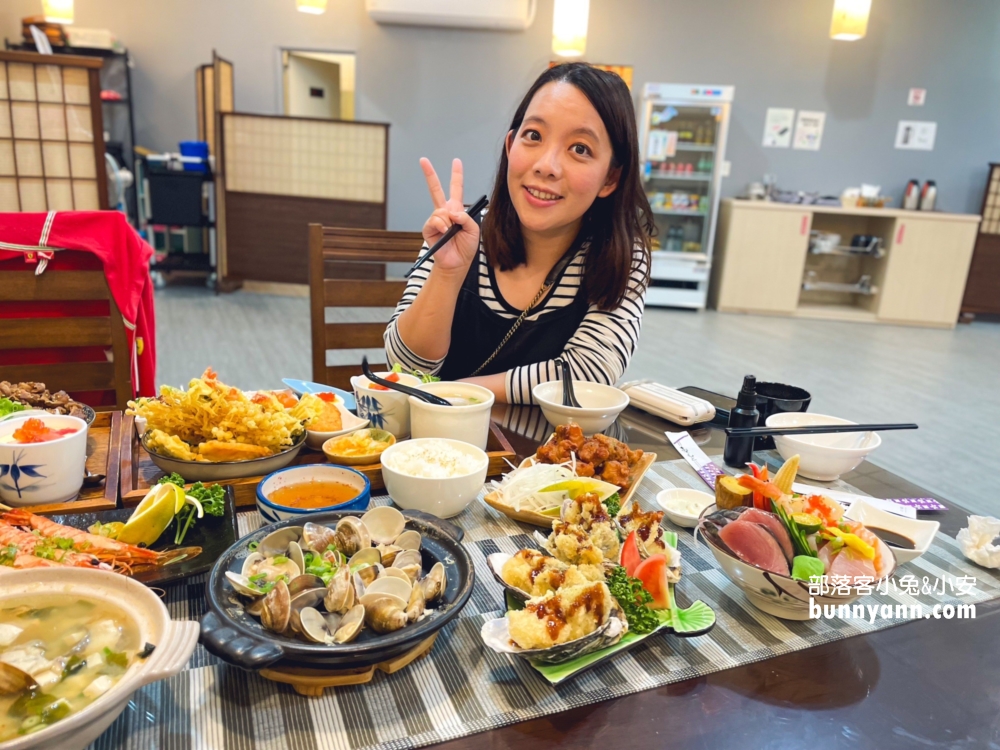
column 435, row 475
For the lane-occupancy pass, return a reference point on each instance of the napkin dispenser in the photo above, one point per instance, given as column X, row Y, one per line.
column 668, row 403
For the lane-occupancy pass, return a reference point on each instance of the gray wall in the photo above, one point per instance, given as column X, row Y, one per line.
column 451, row 92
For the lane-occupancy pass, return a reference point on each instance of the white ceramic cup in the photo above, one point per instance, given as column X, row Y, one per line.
column 386, row 410
column 469, row 423
column 42, row 473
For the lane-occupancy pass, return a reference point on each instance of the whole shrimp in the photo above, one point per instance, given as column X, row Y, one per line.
column 24, row 545
column 99, row 546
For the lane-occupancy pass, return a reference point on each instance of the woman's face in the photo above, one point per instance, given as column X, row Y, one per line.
column 559, row 161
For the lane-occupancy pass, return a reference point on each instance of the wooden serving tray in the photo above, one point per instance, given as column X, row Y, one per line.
column 103, row 457
column 139, row 473
column 537, row 519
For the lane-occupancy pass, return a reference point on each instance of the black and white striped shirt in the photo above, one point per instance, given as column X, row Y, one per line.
column 599, row 351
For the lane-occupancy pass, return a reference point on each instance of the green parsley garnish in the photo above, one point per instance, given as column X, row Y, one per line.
column 613, row 504
column 632, row 598
column 212, row 499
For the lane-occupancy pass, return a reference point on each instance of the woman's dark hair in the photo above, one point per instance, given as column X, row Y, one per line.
column 615, row 225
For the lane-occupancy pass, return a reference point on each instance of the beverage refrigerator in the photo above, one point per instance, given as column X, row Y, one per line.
column 683, row 137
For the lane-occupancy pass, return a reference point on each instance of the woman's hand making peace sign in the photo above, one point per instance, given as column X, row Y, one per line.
column 460, row 251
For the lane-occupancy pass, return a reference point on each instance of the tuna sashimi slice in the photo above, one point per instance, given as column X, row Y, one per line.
column 753, row 544
column 773, row 524
column 849, row 563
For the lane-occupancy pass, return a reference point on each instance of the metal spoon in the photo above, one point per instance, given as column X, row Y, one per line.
column 569, row 397
column 430, row 398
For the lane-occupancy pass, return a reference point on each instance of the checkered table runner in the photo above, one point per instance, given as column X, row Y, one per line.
column 462, row 687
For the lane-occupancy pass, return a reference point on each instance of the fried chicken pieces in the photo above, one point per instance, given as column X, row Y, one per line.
column 598, row 456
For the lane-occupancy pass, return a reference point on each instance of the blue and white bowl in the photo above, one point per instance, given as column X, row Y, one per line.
column 312, row 472
column 42, row 473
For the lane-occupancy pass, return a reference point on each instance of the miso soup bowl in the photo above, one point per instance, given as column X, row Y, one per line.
column 174, row 642
column 42, row 473
column 469, row 423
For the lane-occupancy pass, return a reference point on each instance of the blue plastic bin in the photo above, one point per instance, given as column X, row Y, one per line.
column 198, row 149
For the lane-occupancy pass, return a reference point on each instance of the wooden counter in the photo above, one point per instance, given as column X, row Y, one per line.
column 762, row 261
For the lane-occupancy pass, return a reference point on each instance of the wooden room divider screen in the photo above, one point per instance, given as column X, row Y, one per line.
column 279, row 174
column 51, row 133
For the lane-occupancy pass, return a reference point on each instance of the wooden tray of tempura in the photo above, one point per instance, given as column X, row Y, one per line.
column 139, row 473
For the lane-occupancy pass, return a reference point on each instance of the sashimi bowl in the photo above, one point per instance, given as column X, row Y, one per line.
column 776, row 593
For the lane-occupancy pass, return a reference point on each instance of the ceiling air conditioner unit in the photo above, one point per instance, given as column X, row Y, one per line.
column 515, row 15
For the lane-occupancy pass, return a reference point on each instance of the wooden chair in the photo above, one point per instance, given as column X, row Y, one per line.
column 347, row 269
column 98, row 327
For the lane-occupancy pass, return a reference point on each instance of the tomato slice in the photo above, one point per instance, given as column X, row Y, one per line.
column 653, row 573
column 630, row 557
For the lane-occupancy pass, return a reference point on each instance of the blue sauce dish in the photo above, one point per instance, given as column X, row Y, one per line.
column 273, row 490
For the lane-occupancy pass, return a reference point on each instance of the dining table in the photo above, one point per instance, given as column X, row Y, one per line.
column 928, row 683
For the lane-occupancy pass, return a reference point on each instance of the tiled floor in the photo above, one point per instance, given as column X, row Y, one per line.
column 945, row 381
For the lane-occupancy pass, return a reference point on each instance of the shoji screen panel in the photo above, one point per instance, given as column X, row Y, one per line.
column 282, row 173
column 51, row 133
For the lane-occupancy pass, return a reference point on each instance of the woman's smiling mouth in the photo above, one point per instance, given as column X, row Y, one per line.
column 540, row 198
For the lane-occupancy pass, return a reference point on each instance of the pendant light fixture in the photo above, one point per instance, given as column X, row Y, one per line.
column 316, row 7
column 569, row 27
column 850, row 19
column 58, row 11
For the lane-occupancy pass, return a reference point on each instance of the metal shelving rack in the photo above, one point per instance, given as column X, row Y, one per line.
column 118, row 115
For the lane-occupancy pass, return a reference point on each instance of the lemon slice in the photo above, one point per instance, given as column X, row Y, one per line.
column 582, row 486
column 153, row 515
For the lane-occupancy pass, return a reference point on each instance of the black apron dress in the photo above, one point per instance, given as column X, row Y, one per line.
column 477, row 331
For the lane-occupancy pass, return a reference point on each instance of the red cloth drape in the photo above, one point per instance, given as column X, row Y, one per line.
column 26, row 239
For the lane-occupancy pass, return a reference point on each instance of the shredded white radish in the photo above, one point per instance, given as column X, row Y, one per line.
column 520, row 488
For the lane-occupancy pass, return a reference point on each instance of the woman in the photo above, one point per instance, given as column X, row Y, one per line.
column 562, row 258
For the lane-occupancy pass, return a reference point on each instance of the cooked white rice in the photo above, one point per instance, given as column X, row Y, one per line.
column 431, row 459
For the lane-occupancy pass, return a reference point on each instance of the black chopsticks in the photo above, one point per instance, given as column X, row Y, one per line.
column 819, row 429
column 430, row 398
column 475, row 212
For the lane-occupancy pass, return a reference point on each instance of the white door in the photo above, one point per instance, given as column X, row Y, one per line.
column 312, row 88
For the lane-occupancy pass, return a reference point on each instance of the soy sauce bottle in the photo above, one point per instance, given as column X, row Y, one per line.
column 739, row 450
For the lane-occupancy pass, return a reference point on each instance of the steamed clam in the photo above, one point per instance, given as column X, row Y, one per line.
column 277, row 609
column 326, row 584
column 340, row 591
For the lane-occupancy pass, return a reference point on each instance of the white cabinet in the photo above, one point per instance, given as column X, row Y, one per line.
column 762, row 258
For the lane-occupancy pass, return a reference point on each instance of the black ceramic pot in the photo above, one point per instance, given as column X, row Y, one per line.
column 775, row 398
column 239, row 639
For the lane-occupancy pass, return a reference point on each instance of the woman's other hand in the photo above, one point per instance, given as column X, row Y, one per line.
column 458, row 254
